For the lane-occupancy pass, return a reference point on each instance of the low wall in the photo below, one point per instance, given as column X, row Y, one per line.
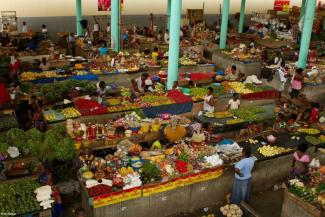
column 222, row 61
column 190, row 198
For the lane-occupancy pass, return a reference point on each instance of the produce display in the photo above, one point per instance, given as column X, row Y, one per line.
column 53, row 116
column 89, row 107
column 30, row 76
column 313, row 191
column 314, row 140
column 7, row 122
column 310, row 131
column 232, row 210
column 250, row 113
column 178, row 96
column 132, row 165
column 270, row 151
column 58, row 91
column 225, row 114
column 239, row 87
column 185, row 61
column 19, row 197
column 234, row 121
column 198, row 92
column 70, row 113
column 53, row 144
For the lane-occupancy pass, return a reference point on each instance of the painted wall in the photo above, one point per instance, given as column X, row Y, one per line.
column 46, row 8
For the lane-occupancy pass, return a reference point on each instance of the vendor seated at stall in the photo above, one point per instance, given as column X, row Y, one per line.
column 209, row 101
column 101, row 89
column 234, row 103
column 103, row 49
column 138, row 84
column 314, row 116
column 44, row 66
column 280, row 124
column 300, row 163
column 125, row 37
column 155, row 54
column 166, row 37
column 291, row 123
column 231, row 72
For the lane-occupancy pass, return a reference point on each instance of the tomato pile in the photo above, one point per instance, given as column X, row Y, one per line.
column 178, row 96
column 89, row 107
column 100, row 189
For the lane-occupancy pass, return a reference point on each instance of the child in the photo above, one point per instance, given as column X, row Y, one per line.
column 297, row 83
column 279, row 124
column 155, row 54
column 300, row 162
column 234, row 103
column 314, row 113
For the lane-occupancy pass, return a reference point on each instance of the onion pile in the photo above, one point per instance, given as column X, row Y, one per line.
column 231, row 211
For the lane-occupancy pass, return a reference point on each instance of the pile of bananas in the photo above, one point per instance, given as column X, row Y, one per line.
column 125, row 171
column 252, row 141
column 225, row 114
column 234, row 121
column 70, row 112
column 310, row 131
column 270, row 151
column 135, row 148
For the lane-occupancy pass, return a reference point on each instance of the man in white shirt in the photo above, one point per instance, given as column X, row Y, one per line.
column 24, row 28
column 166, row 37
column 282, row 75
column 234, row 103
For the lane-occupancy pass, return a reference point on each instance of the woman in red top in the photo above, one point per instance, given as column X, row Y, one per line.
column 314, row 116
column 14, row 68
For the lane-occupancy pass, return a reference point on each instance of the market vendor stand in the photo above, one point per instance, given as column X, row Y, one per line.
column 249, row 67
column 183, row 194
column 294, row 206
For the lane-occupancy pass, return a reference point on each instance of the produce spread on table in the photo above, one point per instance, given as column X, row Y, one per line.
column 133, row 166
column 314, row 191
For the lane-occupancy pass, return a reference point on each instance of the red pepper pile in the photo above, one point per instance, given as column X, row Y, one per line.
column 178, row 96
column 181, row 166
column 100, row 189
column 195, row 76
column 89, row 107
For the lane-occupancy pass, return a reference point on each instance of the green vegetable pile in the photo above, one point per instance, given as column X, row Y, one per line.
column 56, row 92
column 198, row 92
column 18, row 197
column 149, row 173
column 53, row 144
column 183, row 157
column 303, row 193
column 250, row 113
column 219, row 90
column 313, row 140
column 256, row 88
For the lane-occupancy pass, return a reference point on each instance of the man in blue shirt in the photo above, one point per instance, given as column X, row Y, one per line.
column 243, row 177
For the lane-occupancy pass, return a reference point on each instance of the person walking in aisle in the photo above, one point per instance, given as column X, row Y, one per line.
column 242, row 185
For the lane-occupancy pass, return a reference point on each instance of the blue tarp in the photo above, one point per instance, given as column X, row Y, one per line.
column 174, row 109
column 89, row 77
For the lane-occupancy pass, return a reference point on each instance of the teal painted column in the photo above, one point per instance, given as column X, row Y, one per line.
column 224, row 24
column 169, row 2
column 242, row 16
column 306, row 33
column 115, row 32
column 173, row 52
column 302, row 8
column 78, row 17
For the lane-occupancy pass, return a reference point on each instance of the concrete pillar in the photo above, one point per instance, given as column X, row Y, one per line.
column 169, row 2
column 302, row 8
column 115, row 28
column 224, row 24
column 79, row 17
column 174, row 33
column 306, row 33
column 242, row 16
